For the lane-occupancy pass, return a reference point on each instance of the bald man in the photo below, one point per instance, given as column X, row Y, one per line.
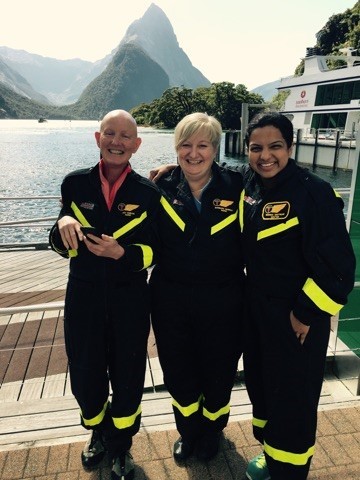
column 105, row 227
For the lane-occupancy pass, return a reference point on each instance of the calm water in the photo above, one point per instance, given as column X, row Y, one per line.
column 34, row 158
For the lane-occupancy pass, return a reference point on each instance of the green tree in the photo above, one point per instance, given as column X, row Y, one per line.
column 173, row 105
column 225, row 102
column 279, row 99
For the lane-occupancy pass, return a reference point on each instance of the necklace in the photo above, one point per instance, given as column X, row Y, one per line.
column 203, row 188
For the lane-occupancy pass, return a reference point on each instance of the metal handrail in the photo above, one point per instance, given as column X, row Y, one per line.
column 29, row 222
column 32, row 308
column 20, row 223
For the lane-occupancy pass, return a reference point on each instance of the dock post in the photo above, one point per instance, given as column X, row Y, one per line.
column 297, row 144
column 315, row 148
column 337, row 150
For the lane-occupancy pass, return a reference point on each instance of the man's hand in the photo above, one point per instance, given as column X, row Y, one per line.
column 158, row 172
column 70, row 232
column 104, row 247
column 300, row 329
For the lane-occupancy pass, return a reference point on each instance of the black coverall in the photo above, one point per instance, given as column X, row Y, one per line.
column 107, row 304
column 197, row 299
column 298, row 257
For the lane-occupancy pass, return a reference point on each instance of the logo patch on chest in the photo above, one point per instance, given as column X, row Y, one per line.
column 87, row 205
column 276, row 211
column 127, row 208
column 223, row 205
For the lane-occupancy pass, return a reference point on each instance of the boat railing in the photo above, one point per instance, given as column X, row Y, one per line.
column 21, row 225
column 43, row 224
column 330, row 134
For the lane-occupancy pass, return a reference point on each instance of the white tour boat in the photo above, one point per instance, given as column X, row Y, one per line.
column 325, row 100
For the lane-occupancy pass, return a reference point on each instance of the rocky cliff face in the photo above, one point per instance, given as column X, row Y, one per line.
column 155, row 35
column 131, row 78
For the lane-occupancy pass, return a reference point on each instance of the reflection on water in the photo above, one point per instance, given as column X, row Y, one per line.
column 35, row 157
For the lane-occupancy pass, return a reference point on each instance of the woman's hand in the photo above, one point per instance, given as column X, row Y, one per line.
column 104, row 247
column 158, row 172
column 300, row 329
column 70, row 232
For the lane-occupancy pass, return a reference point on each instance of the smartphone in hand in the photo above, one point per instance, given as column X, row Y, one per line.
column 92, row 230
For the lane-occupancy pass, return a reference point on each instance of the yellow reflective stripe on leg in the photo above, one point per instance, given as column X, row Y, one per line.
column 189, row 409
column 92, row 422
column 147, row 254
column 268, row 232
column 126, row 422
column 79, row 215
column 172, row 214
column 215, row 415
column 319, row 297
column 289, row 457
column 224, row 223
column 129, row 226
column 258, row 422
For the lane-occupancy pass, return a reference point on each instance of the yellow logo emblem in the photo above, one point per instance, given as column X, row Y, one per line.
column 223, row 205
column 276, row 211
column 127, row 208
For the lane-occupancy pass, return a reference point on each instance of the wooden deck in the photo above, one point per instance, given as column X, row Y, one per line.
column 36, row 404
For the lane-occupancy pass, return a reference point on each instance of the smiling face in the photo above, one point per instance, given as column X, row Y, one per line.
column 196, row 155
column 117, row 139
column 268, row 151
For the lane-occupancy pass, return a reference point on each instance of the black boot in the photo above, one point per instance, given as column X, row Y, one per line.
column 123, row 467
column 208, row 446
column 183, row 449
column 94, row 451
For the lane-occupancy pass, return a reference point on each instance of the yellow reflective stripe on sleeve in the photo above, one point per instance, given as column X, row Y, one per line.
column 172, row 214
column 79, row 215
column 289, row 457
column 189, row 409
column 241, row 210
column 215, row 415
column 337, row 194
column 258, row 422
column 91, row 422
column 147, row 254
column 129, row 226
column 224, row 223
column 278, row 228
column 319, row 297
column 72, row 253
column 126, row 422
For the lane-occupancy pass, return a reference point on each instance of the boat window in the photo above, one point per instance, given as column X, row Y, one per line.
column 337, row 93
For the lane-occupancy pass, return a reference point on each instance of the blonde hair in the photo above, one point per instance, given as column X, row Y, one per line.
column 195, row 122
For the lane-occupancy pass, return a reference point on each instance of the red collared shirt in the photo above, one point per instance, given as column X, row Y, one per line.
column 109, row 193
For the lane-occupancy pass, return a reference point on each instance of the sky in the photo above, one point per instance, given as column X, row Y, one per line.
column 240, row 41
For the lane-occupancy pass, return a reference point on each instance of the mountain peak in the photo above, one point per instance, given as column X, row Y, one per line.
column 154, row 33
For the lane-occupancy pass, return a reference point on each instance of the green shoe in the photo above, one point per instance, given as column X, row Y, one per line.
column 257, row 468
